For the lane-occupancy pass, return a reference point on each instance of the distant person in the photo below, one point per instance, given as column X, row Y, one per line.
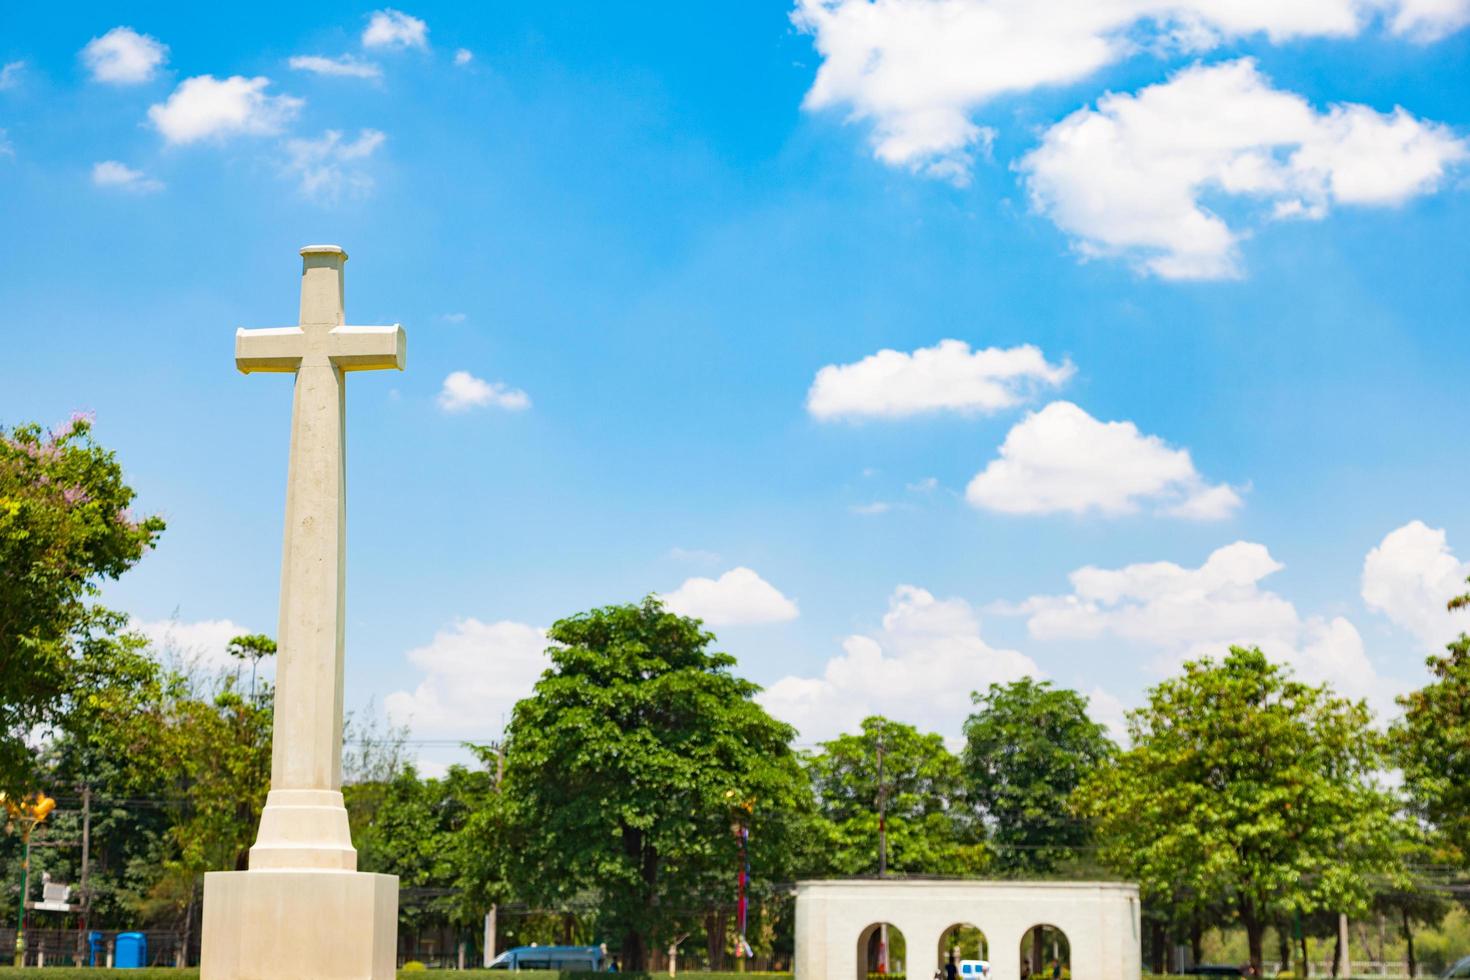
column 951, row 972
column 612, row 965
column 1056, row 970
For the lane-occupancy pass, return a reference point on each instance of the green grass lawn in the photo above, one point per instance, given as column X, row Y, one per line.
column 165, row 973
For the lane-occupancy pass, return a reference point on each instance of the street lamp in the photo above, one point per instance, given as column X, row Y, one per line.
column 27, row 813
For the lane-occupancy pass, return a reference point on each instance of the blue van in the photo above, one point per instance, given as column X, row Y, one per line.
column 588, row 958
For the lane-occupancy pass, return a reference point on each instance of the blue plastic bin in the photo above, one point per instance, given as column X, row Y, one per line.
column 130, row 951
column 94, row 947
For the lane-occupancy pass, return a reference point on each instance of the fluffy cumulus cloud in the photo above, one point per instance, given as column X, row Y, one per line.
column 203, row 644
column 119, row 176
column 920, row 668
column 463, row 391
column 122, row 56
column 390, row 28
column 205, row 107
column 1129, row 178
column 463, row 57
column 10, row 74
column 473, row 674
column 1062, row 460
column 1429, row 20
column 946, row 377
column 918, row 70
column 331, row 166
column 1410, row 576
column 344, row 67
column 740, row 597
column 1185, row 613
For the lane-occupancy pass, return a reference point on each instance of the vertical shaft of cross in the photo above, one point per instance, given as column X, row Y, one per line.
column 307, row 749
column 304, row 823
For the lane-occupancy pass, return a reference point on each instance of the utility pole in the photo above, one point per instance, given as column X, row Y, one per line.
column 86, row 894
column 491, row 916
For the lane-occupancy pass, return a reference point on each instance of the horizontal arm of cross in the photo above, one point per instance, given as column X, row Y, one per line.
column 349, row 348
column 368, row 348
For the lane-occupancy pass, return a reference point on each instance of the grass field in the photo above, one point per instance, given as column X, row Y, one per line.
column 164, row 973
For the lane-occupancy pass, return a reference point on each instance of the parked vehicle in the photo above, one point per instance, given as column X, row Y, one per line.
column 1459, row 970
column 587, row 958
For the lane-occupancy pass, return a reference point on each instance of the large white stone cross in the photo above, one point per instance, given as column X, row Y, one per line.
column 304, row 824
column 303, row 910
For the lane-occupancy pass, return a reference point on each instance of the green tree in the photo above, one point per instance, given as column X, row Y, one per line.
column 204, row 748
column 1432, row 747
column 930, row 827
column 416, row 831
column 252, row 647
column 1027, row 747
column 1250, row 789
column 64, row 528
column 627, row 768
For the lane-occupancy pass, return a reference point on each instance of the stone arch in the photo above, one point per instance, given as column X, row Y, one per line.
column 1045, row 948
column 874, row 955
column 966, row 942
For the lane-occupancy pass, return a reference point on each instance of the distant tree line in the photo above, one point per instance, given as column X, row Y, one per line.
column 640, row 769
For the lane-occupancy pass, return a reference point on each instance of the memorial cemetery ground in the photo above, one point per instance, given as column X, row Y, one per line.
column 1251, row 808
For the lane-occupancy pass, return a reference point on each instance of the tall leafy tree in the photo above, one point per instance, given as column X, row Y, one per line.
column 627, row 768
column 1027, row 747
column 1247, row 788
column 65, row 527
column 1432, row 747
column 930, row 828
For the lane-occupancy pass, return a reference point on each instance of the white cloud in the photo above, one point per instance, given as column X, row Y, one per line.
column 463, row 56
column 111, row 173
column 474, row 673
column 1186, row 613
column 919, row 70
column 1127, row 179
column 6, row 148
column 344, row 67
column 1108, row 710
column 920, row 668
column 122, row 56
column 1061, row 459
column 1410, row 576
column 454, row 317
column 1430, row 20
column 946, row 377
column 205, row 107
column 463, row 391
column 927, row 485
column 329, row 166
column 390, row 28
column 872, row 509
column 10, row 74
column 203, row 645
column 740, row 597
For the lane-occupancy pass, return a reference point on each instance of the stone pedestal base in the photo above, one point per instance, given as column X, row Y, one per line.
column 299, row 925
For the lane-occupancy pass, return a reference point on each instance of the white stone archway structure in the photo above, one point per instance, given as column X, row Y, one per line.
column 1100, row 920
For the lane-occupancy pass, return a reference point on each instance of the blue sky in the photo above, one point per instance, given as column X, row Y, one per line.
column 1171, row 291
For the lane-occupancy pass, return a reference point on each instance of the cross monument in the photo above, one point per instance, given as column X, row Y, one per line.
column 303, row 910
